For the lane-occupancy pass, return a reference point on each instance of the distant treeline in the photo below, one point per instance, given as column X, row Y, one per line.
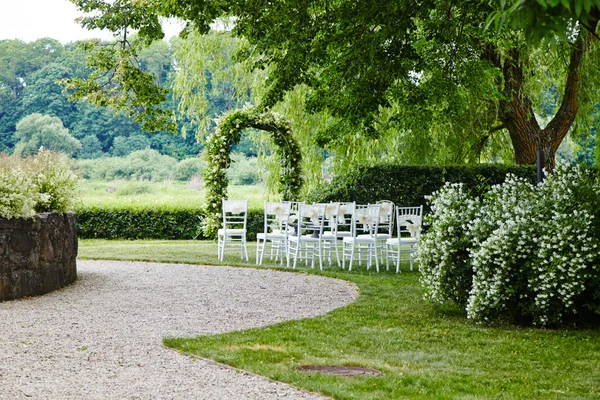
column 30, row 84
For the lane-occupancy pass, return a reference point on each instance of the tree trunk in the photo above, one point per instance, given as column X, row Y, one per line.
column 516, row 112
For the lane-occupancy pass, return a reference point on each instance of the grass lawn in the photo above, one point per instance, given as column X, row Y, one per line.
column 124, row 194
column 424, row 351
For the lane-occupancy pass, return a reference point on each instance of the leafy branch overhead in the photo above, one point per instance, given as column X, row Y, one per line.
column 117, row 79
column 433, row 71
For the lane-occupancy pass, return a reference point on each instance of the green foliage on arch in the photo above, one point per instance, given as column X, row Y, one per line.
column 218, row 146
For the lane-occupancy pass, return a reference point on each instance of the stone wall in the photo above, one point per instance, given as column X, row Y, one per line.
column 37, row 255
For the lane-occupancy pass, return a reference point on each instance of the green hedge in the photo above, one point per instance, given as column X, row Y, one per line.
column 102, row 223
column 408, row 185
column 404, row 185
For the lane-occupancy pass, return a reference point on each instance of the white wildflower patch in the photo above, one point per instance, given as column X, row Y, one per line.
column 44, row 182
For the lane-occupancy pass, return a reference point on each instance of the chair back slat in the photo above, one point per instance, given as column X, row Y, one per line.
column 387, row 214
column 409, row 221
column 235, row 214
column 366, row 219
column 311, row 219
column 276, row 216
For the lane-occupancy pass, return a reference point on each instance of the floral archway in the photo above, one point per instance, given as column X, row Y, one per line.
column 228, row 133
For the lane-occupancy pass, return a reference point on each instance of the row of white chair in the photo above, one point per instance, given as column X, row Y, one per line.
column 300, row 232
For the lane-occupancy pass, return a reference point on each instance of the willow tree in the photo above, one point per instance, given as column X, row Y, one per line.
column 430, row 64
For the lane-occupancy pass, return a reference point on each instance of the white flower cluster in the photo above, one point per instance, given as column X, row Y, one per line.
column 41, row 183
column 525, row 253
column 446, row 271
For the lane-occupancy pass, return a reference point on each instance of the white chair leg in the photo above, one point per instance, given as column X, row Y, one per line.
column 351, row 258
column 258, row 261
column 321, row 257
column 220, row 248
column 296, row 255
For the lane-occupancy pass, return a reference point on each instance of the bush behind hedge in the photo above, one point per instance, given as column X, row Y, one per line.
column 408, row 185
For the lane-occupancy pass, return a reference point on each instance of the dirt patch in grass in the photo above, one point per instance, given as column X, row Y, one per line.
column 338, row 370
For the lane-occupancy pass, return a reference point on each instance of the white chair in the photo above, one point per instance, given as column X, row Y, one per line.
column 385, row 229
column 275, row 231
column 409, row 221
column 330, row 228
column 344, row 219
column 365, row 244
column 233, row 232
column 386, row 219
column 307, row 243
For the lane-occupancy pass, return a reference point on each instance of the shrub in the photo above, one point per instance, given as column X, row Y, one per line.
column 188, row 168
column 15, row 197
column 143, row 223
column 134, row 188
column 40, row 183
column 146, row 164
column 408, row 185
column 446, row 269
column 243, row 170
column 526, row 254
column 53, row 182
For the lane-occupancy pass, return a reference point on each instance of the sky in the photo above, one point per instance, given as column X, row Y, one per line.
column 30, row 20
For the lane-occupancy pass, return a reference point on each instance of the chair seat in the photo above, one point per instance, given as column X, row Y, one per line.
column 404, row 240
column 305, row 238
column 360, row 239
column 380, row 236
column 270, row 236
column 231, row 232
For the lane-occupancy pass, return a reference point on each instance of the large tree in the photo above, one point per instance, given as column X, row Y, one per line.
column 38, row 131
column 362, row 57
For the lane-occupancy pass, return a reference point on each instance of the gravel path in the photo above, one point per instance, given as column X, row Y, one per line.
column 101, row 338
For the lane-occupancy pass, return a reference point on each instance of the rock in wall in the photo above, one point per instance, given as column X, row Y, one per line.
column 37, row 255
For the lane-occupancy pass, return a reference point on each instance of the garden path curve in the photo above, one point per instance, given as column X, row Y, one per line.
column 101, row 338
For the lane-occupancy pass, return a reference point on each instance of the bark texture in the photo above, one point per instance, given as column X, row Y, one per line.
column 516, row 111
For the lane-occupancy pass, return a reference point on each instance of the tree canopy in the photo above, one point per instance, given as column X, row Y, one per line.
column 434, row 69
column 30, row 82
column 38, row 131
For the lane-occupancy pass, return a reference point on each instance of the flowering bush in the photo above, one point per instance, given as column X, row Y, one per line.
column 40, row 183
column 218, row 146
column 524, row 253
column 446, row 270
column 15, row 190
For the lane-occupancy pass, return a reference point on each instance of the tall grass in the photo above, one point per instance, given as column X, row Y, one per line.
column 160, row 195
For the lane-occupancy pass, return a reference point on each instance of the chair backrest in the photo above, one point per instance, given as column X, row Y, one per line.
column 387, row 214
column 330, row 224
column 235, row 214
column 409, row 221
column 346, row 212
column 311, row 219
column 294, row 210
column 276, row 216
column 366, row 219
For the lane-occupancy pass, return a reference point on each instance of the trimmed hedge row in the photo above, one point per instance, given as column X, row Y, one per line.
column 99, row 223
column 408, row 185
